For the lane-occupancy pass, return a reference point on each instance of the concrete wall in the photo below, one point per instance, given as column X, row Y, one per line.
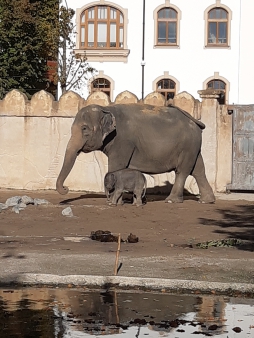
column 34, row 135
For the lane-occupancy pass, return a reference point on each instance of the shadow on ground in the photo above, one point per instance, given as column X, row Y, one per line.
column 157, row 193
column 236, row 223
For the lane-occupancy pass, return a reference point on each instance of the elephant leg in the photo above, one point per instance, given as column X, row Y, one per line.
column 116, row 195
column 139, row 200
column 176, row 194
column 120, row 200
column 205, row 190
column 134, row 202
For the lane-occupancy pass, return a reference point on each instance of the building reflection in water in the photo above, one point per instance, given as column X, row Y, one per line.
column 68, row 312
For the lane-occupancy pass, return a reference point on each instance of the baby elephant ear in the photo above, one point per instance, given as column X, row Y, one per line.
column 108, row 123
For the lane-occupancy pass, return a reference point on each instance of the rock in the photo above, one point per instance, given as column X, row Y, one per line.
column 10, row 202
column 21, row 206
column 38, row 201
column 132, row 238
column 67, row 212
column 3, row 206
column 103, row 236
column 16, row 209
column 27, row 200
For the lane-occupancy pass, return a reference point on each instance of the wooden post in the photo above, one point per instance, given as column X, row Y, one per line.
column 117, row 254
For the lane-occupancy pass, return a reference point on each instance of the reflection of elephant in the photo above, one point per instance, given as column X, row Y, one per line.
column 129, row 180
column 150, row 139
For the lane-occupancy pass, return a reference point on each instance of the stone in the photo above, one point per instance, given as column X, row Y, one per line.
column 12, row 201
column 67, row 212
column 16, row 209
column 39, row 201
column 27, row 200
column 3, row 206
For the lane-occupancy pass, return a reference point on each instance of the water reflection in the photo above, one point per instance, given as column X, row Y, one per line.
column 67, row 312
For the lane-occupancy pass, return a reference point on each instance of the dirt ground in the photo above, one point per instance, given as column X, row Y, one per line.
column 163, row 229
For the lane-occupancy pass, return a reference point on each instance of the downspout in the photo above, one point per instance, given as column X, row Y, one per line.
column 239, row 52
column 143, row 52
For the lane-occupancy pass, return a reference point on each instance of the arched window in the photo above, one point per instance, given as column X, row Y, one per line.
column 167, row 26
column 102, row 27
column 101, row 85
column 167, row 88
column 218, row 84
column 217, row 30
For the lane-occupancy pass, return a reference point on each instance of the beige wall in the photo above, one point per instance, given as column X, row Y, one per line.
column 34, row 135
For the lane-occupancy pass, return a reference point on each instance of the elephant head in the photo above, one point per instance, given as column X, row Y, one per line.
column 89, row 129
column 109, row 182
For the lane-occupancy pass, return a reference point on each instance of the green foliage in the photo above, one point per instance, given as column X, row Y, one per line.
column 72, row 67
column 25, row 44
column 231, row 242
column 31, row 33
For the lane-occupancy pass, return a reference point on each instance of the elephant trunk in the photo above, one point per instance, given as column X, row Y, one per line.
column 71, row 154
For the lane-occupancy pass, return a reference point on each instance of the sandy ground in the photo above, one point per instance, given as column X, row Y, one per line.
column 41, row 240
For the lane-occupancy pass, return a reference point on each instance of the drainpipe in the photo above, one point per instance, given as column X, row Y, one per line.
column 239, row 52
column 143, row 51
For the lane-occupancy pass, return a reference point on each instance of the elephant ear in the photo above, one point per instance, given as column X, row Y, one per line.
column 108, row 123
column 113, row 180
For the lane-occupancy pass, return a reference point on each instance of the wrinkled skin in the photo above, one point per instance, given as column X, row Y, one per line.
column 125, row 180
column 150, row 139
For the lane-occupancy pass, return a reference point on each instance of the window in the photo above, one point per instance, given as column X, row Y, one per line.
column 101, row 85
column 167, row 26
column 102, row 27
column 167, row 88
column 218, row 84
column 217, row 31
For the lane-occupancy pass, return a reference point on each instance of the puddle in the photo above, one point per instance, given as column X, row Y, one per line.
column 76, row 313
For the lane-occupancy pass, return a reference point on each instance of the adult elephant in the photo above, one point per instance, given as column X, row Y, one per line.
column 151, row 139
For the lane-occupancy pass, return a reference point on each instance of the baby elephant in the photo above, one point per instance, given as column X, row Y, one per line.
column 125, row 180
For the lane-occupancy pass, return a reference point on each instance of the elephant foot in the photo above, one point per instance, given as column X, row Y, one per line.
column 174, row 200
column 207, row 199
column 206, row 202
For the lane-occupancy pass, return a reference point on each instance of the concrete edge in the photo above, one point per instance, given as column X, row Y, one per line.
column 152, row 284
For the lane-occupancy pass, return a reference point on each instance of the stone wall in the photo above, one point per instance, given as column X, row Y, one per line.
column 34, row 134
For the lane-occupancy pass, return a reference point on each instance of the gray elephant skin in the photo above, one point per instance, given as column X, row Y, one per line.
column 147, row 138
column 125, row 180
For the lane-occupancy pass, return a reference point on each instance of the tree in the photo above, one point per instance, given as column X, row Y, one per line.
column 72, row 67
column 32, row 33
column 23, row 47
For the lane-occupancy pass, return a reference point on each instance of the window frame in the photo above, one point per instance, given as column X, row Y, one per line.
column 166, row 91
column 97, row 21
column 106, row 90
column 101, row 54
column 101, row 75
column 167, row 5
column 166, row 76
column 215, row 6
column 223, row 89
column 218, row 77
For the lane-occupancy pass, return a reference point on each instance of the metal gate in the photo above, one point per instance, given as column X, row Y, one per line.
column 243, row 148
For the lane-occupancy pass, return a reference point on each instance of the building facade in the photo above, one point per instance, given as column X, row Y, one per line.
column 168, row 46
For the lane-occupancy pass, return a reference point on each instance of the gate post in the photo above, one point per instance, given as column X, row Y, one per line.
column 209, row 138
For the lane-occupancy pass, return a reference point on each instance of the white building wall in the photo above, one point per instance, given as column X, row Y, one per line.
column 246, row 53
column 191, row 64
